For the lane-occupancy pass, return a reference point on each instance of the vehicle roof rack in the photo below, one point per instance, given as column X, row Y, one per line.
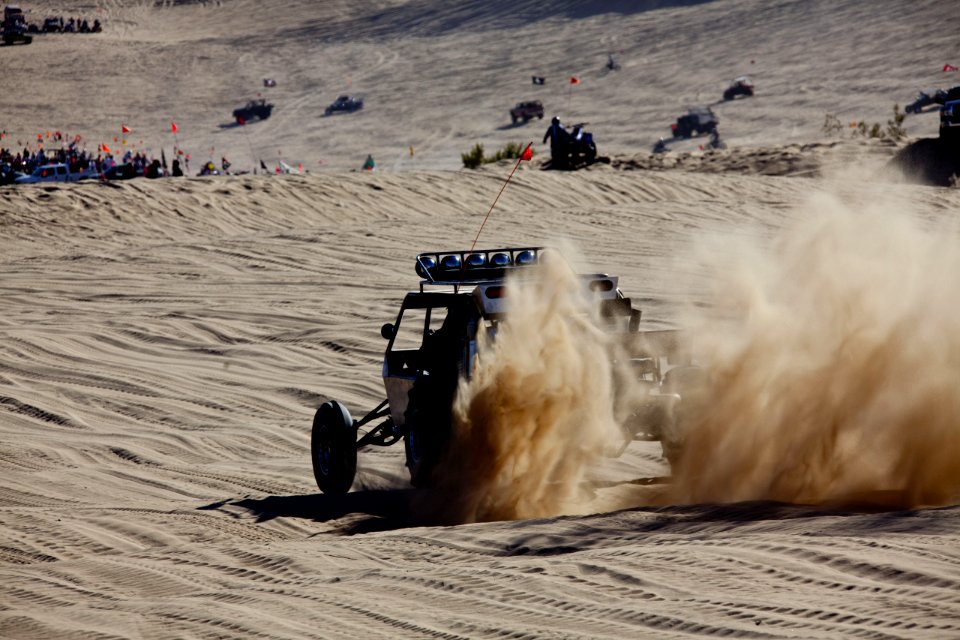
column 473, row 266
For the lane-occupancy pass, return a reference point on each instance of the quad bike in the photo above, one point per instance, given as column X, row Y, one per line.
column 576, row 149
column 433, row 344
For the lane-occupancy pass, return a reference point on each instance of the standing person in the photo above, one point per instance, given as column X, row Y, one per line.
column 176, row 171
column 558, row 142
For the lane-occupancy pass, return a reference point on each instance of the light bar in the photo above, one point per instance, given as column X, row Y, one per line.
column 473, row 266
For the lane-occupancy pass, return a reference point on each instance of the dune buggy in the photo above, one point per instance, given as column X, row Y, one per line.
column 433, row 343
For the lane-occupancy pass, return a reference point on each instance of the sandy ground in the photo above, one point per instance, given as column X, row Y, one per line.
column 164, row 344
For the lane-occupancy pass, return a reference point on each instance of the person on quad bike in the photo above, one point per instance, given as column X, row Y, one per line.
column 558, row 140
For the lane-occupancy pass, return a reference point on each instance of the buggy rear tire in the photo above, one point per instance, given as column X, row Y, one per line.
column 333, row 448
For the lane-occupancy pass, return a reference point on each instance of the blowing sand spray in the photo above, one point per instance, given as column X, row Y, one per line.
column 833, row 366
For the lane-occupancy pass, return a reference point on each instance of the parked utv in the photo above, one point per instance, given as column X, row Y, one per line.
column 14, row 26
column 253, row 110
column 526, row 110
column 345, row 104
column 696, row 121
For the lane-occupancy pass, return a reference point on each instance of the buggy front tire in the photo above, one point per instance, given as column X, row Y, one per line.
column 333, row 448
column 427, row 427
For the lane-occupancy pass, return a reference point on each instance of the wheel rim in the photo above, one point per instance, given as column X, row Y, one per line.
column 323, row 457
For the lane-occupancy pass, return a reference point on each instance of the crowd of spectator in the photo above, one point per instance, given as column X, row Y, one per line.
column 104, row 164
column 56, row 24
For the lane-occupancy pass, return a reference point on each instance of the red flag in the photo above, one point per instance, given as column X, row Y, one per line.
column 574, row 80
column 106, row 149
column 124, row 128
column 950, row 67
column 527, row 153
column 173, row 127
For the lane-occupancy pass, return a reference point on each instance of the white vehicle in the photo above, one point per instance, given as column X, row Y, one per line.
column 48, row 173
column 55, row 172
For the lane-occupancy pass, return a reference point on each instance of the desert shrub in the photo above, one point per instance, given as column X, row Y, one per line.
column 473, row 158
column 511, row 151
column 894, row 130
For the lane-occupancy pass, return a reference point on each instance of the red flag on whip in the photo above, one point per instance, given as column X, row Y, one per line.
column 950, row 67
column 173, row 127
column 526, row 155
column 574, row 80
column 124, row 128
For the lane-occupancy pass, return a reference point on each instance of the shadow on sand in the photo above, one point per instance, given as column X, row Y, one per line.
column 359, row 511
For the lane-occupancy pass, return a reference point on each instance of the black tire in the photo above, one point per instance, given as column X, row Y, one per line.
column 539, row 116
column 427, row 426
column 333, row 448
column 526, row 119
column 513, row 119
column 728, row 95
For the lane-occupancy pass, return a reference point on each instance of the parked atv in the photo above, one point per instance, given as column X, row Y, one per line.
column 741, row 87
column 433, row 344
column 576, row 148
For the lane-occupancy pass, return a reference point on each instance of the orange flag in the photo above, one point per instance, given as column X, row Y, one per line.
column 106, row 149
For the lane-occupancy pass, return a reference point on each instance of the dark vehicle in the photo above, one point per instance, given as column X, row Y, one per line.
column 526, row 110
column 52, row 25
column 433, row 344
column 7, row 174
column 950, row 116
column 698, row 120
column 254, row 110
column 124, row 171
column 344, row 103
column 572, row 148
column 14, row 26
column 741, row 87
column 925, row 98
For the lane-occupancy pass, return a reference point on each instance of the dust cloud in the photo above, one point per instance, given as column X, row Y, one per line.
column 833, row 364
column 831, row 354
column 540, row 410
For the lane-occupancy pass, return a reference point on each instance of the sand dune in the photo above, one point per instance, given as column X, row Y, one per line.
column 165, row 343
